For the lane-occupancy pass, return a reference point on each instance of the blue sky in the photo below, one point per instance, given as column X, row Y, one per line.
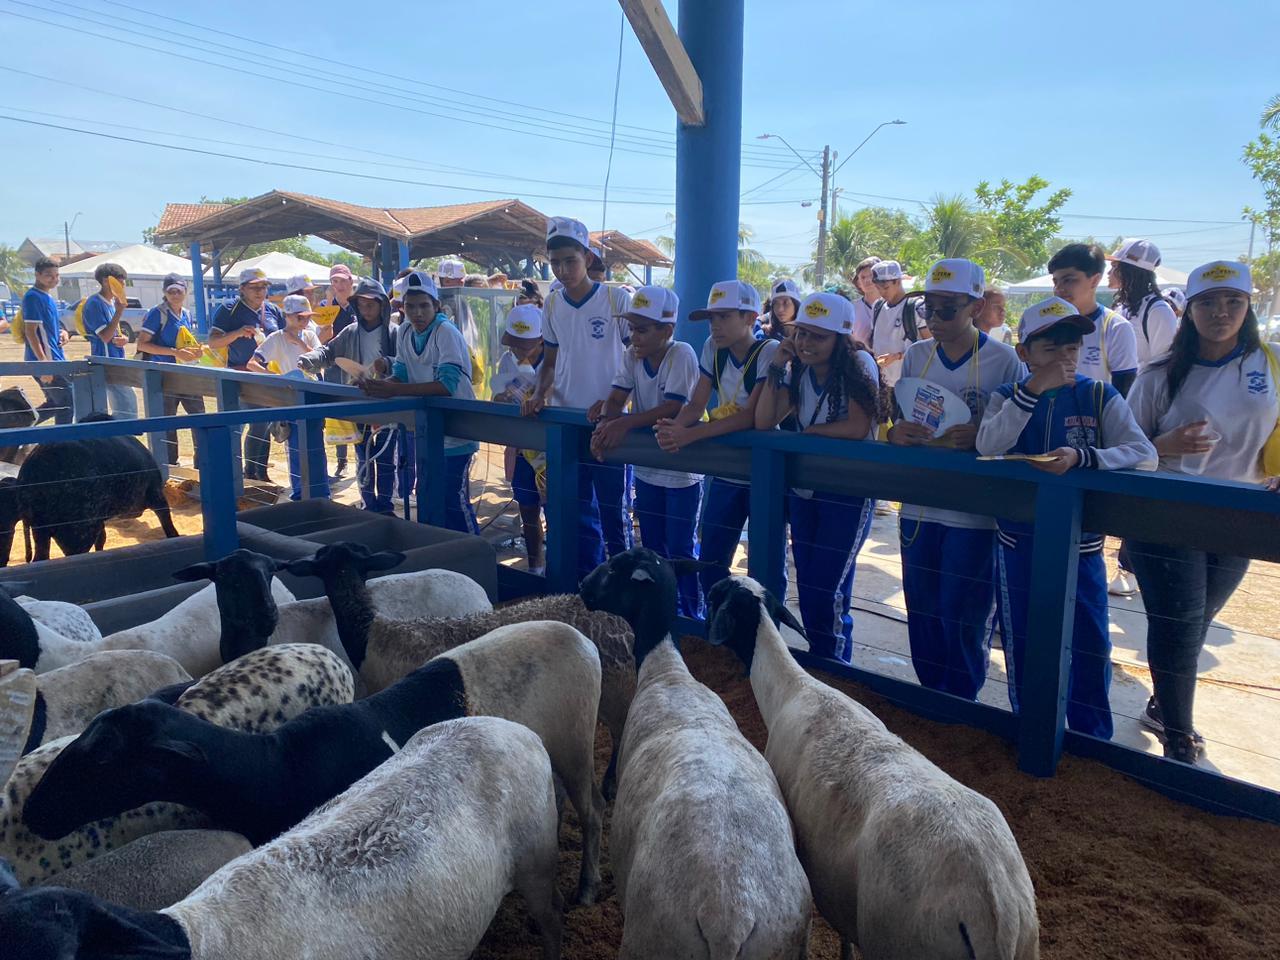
column 1142, row 112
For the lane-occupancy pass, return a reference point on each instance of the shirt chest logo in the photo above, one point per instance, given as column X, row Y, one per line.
column 1257, row 381
column 597, row 327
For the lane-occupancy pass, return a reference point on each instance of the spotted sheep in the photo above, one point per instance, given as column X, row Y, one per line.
column 904, row 861
column 188, row 633
column 412, row 860
column 400, row 646
column 250, row 616
column 702, row 849
column 229, row 697
column 544, row 675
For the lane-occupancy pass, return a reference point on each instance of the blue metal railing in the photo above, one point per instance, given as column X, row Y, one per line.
column 1221, row 517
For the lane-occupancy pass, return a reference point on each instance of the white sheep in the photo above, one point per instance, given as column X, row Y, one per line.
column 411, row 862
column 69, row 697
column 188, row 633
column 702, row 848
column 68, row 620
column 250, row 617
column 401, row 645
column 904, row 861
column 256, row 695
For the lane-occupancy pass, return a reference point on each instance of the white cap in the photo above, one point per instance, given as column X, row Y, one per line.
column 253, row 275
column 886, row 270
column 672, row 309
column 298, row 284
column 297, row 303
column 1177, row 298
column 826, row 311
column 597, row 253
column 397, row 288
column 785, row 288
column 524, row 322
column 955, row 275
column 653, row 303
column 452, row 270
column 1039, row 317
column 729, row 295
column 418, row 280
column 1142, row 254
column 575, row 230
column 1220, row 275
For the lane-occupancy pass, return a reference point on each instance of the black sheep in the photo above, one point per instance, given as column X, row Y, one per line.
column 67, row 490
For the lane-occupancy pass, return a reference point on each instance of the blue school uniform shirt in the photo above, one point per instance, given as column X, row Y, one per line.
column 98, row 312
column 230, row 319
column 163, row 326
column 40, row 307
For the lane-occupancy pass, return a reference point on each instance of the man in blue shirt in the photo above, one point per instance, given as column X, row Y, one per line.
column 44, row 336
column 101, row 316
column 238, row 329
column 158, row 341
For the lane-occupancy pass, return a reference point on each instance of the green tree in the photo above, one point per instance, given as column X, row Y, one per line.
column 870, row 231
column 1020, row 231
column 13, row 270
column 1271, row 114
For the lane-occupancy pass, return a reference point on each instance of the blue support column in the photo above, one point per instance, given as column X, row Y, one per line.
column 562, row 508
column 546, row 271
column 402, row 254
column 228, row 398
column 648, row 275
column 153, row 406
column 217, row 268
column 1050, row 623
column 197, row 287
column 218, row 493
column 767, row 528
column 429, row 440
column 708, row 158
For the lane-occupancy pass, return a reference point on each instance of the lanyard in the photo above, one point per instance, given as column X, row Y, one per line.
column 821, row 396
column 975, row 364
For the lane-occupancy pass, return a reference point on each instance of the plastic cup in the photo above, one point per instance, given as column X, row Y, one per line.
column 1194, row 463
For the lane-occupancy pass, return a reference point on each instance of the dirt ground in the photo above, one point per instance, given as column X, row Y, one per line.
column 1119, row 871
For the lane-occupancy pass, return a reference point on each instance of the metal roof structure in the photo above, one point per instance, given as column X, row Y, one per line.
column 621, row 250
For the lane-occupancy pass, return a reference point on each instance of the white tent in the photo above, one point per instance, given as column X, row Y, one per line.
column 146, row 267
column 1043, row 286
column 278, row 267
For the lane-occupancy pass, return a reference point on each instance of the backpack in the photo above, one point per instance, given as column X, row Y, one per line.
column 909, row 330
column 1151, row 302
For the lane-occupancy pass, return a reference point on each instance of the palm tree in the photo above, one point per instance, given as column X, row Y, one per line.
column 1271, row 114
column 12, row 268
column 748, row 258
column 954, row 227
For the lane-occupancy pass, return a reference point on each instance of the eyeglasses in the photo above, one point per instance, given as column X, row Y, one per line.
column 946, row 311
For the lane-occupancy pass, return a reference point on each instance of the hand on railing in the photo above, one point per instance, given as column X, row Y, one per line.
column 671, row 435
column 1064, row 458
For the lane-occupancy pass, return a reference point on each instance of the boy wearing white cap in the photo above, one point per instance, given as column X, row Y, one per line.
column 823, row 384
column 895, row 322
column 585, row 341
column 516, row 378
column 430, row 360
column 1077, row 422
column 279, row 353
column 948, row 558
column 658, row 377
column 733, row 365
column 1210, row 407
column 1110, row 350
column 238, row 329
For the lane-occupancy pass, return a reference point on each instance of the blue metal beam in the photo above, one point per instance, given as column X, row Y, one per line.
column 708, row 158
column 197, row 287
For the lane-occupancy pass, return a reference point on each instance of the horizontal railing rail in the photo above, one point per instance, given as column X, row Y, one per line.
column 1226, row 517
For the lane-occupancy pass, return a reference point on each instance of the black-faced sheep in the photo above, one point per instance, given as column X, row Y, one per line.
column 544, row 675
column 411, row 862
column 308, row 675
column 904, row 861
column 702, row 848
column 400, row 645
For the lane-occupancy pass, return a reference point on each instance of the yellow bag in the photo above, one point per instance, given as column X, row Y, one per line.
column 17, row 330
column 338, row 432
column 1271, row 449
column 724, row 410
column 538, row 460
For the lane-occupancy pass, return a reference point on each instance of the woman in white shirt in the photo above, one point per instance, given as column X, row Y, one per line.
column 1209, row 407
column 1139, row 300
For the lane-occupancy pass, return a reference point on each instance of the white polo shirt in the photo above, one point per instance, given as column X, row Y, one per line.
column 1154, row 325
column 1110, row 348
column 590, row 339
column 889, row 336
column 673, row 379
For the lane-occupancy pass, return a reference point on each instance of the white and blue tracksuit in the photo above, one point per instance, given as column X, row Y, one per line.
column 948, row 557
column 827, row 531
column 1094, row 419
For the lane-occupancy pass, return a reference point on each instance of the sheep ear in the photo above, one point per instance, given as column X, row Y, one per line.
column 108, row 932
column 785, row 616
column 385, row 560
column 302, row 567
column 197, row 571
column 181, row 748
column 641, row 574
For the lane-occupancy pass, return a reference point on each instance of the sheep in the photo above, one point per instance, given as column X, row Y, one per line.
column 69, row 697
column 544, row 675
column 257, row 693
column 412, row 862
column 250, row 618
column 68, row 620
column 155, row 871
column 397, row 649
column 188, row 633
column 904, row 861
column 702, row 849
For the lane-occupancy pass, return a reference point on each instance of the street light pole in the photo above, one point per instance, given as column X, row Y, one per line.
column 820, row 268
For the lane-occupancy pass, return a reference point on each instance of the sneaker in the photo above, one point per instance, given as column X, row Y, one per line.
column 1152, row 719
column 1183, row 748
column 1124, row 585
column 340, row 469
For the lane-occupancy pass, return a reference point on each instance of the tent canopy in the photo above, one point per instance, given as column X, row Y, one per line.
column 139, row 261
column 1167, row 277
column 278, row 267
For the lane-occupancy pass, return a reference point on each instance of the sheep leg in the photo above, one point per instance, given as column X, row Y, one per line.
column 42, row 538
column 589, row 805
column 100, row 543
column 609, row 786
column 535, row 879
column 160, row 507
column 846, row 949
